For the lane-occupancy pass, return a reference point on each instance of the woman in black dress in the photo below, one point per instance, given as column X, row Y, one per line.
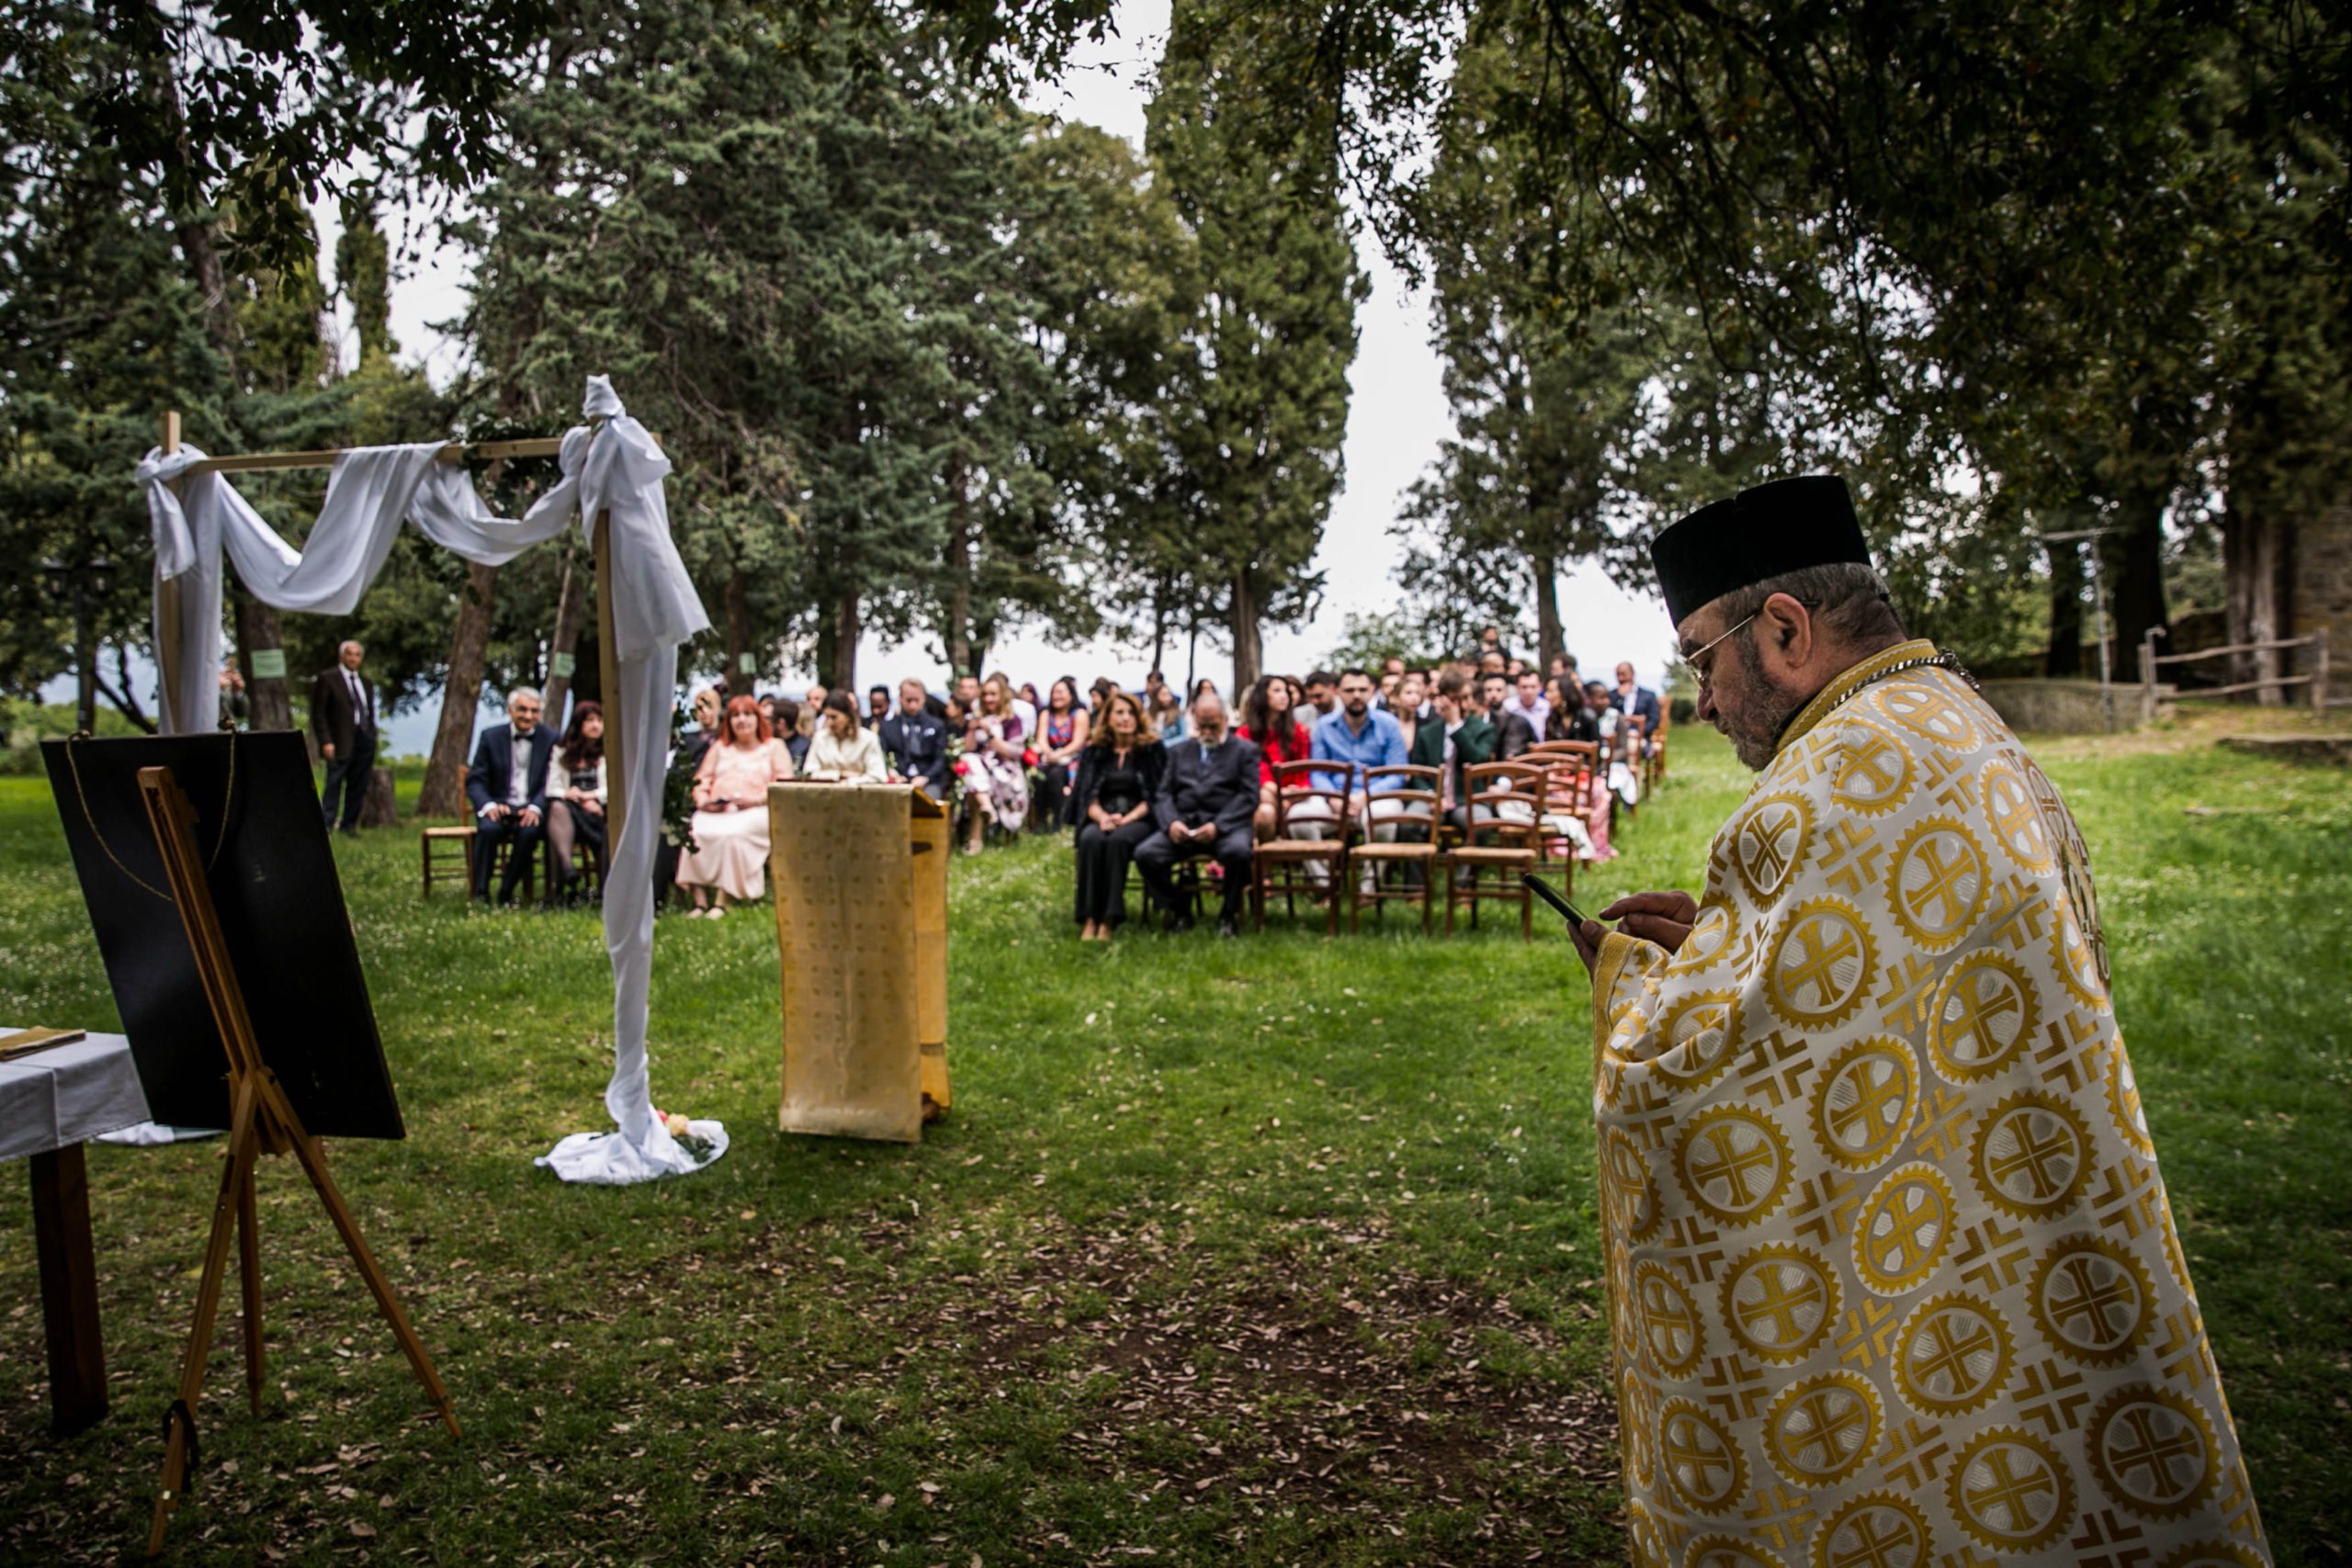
column 1118, row 774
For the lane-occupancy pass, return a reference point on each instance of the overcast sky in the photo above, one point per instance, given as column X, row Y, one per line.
column 1396, row 418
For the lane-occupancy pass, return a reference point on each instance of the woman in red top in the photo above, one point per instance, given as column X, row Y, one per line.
column 1267, row 723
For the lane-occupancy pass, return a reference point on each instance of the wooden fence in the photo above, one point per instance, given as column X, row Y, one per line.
column 2317, row 680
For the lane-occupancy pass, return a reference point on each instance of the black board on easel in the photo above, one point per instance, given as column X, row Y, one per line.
column 282, row 918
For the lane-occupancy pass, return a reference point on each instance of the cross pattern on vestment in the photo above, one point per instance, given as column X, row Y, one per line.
column 1778, row 1302
column 2153, row 1451
column 1942, row 886
column 1877, row 1085
column 1979, row 1010
column 1868, row 1545
column 2087, row 1296
column 1910, row 1213
column 2011, row 1494
column 2033, row 1157
column 1696, row 1453
column 1816, row 965
column 1928, row 710
column 1669, row 1317
column 1870, row 763
column 1767, row 861
column 1943, row 1365
column 2016, row 818
column 1832, row 1412
column 1731, row 1166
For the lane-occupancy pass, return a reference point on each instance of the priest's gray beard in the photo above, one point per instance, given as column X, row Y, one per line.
column 1754, row 722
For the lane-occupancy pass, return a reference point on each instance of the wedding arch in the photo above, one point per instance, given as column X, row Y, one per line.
column 613, row 473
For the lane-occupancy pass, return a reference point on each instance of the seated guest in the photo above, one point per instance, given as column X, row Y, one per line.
column 1455, row 738
column 1513, row 733
column 730, row 855
column 795, row 728
column 685, row 759
column 1610, row 718
column 767, row 707
column 1167, row 714
column 1271, row 723
column 1322, row 695
column 1110, row 801
column 1061, row 736
column 843, row 751
column 996, row 779
column 1572, row 717
column 1526, row 699
column 507, row 788
column 1636, row 700
column 1412, row 705
column 877, row 706
column 1207, row 796
column 1356, row 736
column 576, row 795
column 914, row 744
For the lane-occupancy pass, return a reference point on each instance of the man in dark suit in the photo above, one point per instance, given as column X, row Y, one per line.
column 343, row 716
column 1514, row 731
column 1207, row 799
column 914, row 744
column 508, row 787
column 1639, row 701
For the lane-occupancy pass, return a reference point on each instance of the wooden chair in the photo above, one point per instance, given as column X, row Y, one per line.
column 1499, row 845
column 1569, row 768
column 1283, row 862
column 1413, row 809
column 448, row 857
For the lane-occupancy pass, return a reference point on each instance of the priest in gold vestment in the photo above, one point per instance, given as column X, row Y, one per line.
column 1892, row 1280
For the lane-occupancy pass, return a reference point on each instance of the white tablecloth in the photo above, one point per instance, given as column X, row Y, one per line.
column 67, row 1094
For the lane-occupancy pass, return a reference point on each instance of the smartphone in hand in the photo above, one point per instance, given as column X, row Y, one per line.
column 1552, row 896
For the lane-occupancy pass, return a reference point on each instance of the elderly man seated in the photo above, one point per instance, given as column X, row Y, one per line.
column 1208, row 796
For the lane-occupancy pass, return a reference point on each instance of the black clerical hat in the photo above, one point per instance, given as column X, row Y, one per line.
column 1785, row 525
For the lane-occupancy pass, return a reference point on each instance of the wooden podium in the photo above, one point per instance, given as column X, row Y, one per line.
column 860, row 874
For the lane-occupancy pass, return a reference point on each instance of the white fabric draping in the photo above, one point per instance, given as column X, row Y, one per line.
column 612, row 469
column 369, row 492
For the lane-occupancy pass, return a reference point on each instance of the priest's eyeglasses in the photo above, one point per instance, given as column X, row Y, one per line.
column 1706, row 673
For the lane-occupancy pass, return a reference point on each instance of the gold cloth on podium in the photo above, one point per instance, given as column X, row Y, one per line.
column 860, row 874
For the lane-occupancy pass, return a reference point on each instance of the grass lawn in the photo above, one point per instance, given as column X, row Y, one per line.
column 1279, row 1250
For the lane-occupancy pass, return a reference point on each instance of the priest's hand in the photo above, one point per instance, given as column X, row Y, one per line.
column 1662, row 917
column 1588, row 937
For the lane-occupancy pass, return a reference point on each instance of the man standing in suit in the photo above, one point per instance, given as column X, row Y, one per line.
column 914, row 744
column 508, row 787
column 343, row 716
column 1207, row 797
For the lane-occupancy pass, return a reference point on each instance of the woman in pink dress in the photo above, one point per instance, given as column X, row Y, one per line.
column 730, row 854
column 996, row 777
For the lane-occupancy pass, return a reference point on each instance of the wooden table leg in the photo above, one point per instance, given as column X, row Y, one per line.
column 68, row 1290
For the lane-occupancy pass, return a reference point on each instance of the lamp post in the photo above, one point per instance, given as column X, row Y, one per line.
column 82, row 583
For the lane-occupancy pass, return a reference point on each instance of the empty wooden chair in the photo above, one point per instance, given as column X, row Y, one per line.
column 1413, row 811
column 1284, row 864
column 1503, row 822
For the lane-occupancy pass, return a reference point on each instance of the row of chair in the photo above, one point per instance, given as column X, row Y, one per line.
column 448, row 856
column 1504, row 832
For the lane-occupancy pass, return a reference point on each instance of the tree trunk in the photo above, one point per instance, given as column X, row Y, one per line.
column 1247, row 649
column 841, row 674
column 570, row 612
column 2258, row 563
column 739, row 631
column 444, row 793
column 1160, row 627
column 962, row 659
column 379, row 810
column 269, row 704
column 1550, row 642
column 2065, row 660
column 2135, row 579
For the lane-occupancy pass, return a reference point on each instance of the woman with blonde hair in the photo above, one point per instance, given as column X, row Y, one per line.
column 730, row 854
column 996, row 775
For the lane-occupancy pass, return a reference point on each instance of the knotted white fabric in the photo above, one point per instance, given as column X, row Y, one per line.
column 613, row 470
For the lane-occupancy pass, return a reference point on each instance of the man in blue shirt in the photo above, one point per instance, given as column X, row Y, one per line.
column 1356, row 736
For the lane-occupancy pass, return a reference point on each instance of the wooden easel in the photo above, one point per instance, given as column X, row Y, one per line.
column 261, row 1121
